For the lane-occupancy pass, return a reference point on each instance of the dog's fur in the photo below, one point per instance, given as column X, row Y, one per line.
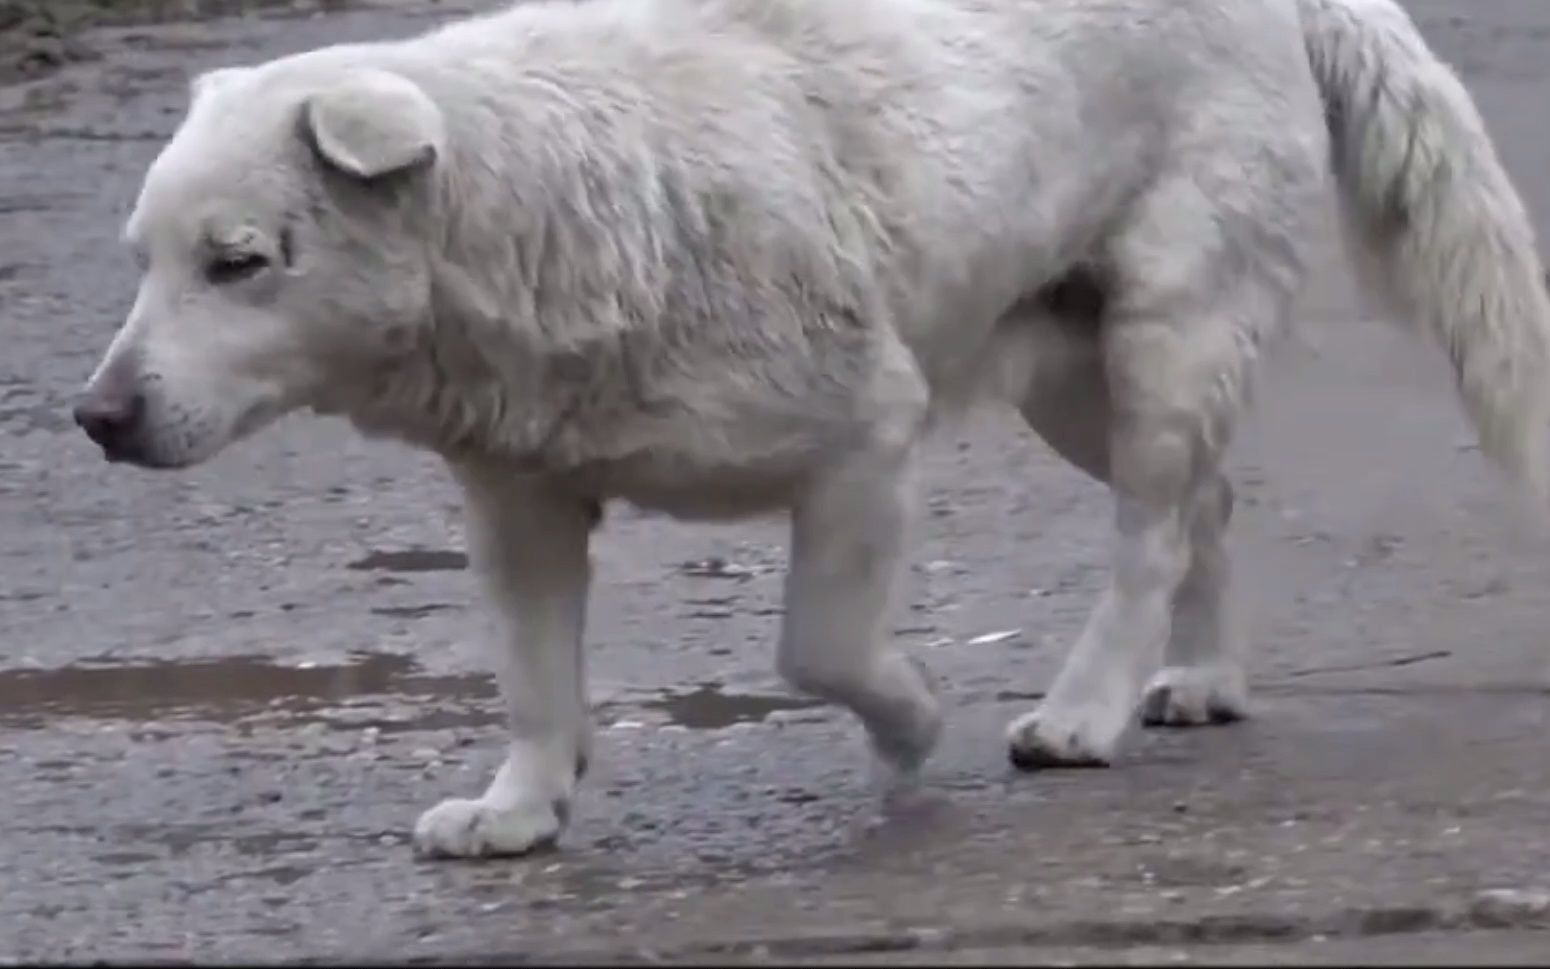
column 723, row 257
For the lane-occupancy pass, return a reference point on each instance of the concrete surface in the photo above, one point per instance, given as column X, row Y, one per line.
column 226, row 695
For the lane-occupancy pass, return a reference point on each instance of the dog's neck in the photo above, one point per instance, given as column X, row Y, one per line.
column 542, row 295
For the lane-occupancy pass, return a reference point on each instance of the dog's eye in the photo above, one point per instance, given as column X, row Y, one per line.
column 234, row 266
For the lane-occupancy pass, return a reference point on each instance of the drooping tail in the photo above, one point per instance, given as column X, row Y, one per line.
column 1437, row 219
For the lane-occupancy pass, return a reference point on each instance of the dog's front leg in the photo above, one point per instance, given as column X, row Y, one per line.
column 848, row 535
column 528, row 542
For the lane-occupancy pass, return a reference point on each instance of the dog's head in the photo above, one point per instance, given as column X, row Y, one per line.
column 280, row 260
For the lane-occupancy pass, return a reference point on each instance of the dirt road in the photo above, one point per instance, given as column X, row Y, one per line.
column 226, row 695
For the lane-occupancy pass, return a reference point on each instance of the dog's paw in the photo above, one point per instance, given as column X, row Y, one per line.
column 1037, row 741
column 901, row 753
column 476, row 828
column 1182, row 696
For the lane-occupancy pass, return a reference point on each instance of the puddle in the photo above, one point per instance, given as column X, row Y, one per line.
column 389, row 692
column 707, row 707
column 411, row 560
column 413, row 612
column 232, row 689
column 282, row 875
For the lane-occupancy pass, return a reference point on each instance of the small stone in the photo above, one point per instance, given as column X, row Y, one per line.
column 1000, row 636
column 1511, row 907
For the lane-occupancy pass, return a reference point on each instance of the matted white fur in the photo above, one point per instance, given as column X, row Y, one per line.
column 727, row 257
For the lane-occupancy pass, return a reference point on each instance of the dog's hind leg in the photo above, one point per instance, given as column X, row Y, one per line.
column 848, row 534
column 1176, row 344
column 1203, row 680
column 528, row 542
column 1065, row 399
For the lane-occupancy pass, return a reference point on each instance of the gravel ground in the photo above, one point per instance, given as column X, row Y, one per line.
column 225, row 695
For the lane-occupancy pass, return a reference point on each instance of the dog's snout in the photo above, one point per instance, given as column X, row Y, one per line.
column 110, row 419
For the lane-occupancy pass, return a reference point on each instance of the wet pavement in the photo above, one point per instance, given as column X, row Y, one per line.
column 226, row 695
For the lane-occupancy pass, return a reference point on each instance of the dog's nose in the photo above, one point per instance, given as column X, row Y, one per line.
column 109, row 419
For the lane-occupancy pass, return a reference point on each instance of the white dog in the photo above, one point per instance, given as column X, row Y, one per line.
column 728, row 257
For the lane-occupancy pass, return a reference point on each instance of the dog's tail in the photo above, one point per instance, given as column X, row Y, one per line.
column 1436, row 221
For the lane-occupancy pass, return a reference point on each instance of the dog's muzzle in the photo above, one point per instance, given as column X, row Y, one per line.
column 113, row 422
column 112, row 411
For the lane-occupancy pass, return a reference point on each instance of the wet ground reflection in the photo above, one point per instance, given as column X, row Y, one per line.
column 382, row 690
column 222, row 690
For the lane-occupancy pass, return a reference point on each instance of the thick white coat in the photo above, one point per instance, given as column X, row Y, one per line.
column 722, row 257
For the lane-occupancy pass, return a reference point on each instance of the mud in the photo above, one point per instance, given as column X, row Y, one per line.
column 226, row 695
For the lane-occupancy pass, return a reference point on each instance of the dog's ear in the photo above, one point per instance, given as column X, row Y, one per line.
column 374, row 123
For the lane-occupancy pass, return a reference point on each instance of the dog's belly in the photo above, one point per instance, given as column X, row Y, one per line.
column 720, row 495
column 1041, row 340
column 688, row 490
